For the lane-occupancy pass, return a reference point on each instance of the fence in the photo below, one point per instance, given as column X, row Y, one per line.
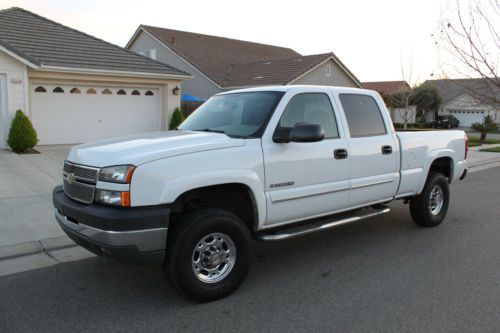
column 188, row 107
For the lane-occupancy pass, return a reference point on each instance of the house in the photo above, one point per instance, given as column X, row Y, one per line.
column 220, row 64
column 469, row 100
column 77, row 88
column 387, row 87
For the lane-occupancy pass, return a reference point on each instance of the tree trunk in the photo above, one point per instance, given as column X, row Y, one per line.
column 482, row 138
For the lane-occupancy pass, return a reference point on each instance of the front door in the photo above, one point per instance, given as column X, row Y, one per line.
column 304, row 180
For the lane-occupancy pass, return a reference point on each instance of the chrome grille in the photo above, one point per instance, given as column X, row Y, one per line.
column 81, row 172
column 79, row 182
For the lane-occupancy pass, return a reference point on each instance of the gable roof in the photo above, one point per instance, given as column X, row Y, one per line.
column 48, row 44
column 482, row 89
column 236, row 63
column 274, row 71
column 387, row 87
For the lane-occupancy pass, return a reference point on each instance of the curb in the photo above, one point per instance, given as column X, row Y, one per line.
column 34, row 247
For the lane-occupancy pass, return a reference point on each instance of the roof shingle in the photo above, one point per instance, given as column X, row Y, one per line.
column 387, row 87
column 213, row 55
column 47, row 43
column 482, row 89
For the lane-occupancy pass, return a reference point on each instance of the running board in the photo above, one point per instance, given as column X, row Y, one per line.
column 324, row 223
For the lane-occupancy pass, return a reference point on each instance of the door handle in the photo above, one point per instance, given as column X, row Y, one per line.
column 386, row 150
column 340, row 154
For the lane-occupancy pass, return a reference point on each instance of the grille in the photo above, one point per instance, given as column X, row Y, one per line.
column 82, row 172
column 79, row 191
column 79, row 182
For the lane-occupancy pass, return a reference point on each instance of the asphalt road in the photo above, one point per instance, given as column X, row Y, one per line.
column 385, row 274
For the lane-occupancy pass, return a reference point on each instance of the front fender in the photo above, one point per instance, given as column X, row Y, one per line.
column 180, row 185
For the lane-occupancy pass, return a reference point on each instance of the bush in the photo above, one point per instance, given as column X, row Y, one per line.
column 177, row 119
column 22, row 135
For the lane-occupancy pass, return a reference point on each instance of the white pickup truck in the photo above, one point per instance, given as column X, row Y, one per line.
column 266, row 163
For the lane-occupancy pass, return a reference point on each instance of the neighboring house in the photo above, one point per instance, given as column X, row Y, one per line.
column 469, row 100
column 77, row 88
column 220, row 64
column 387, row 87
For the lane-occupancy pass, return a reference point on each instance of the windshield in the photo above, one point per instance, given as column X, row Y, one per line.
column 240, row 115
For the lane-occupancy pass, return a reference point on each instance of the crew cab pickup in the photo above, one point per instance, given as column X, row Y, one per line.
column 266, row 163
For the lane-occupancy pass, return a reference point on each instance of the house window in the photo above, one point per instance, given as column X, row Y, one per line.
column 106, row 92
column 91, row 91
column 149, row 93
column 136, row 93
column 58, row 90
column 328, row 70
column 75, row 91
column 40, row 89
column 121, row 92
column 151, row 54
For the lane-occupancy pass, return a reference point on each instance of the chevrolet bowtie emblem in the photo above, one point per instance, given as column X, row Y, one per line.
column 70, row 178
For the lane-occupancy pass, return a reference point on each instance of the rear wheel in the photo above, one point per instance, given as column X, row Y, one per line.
column 208, row 254
column 429, row 208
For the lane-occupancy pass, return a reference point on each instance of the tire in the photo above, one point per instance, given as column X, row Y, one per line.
column 192, row 252
column 429, row 212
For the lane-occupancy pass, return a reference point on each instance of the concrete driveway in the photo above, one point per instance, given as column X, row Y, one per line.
column 26, row 183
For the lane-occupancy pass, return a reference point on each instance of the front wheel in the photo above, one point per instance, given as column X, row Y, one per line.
column 429, row 208
column 208, row 254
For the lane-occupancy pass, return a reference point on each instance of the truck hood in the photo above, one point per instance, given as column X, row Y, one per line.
column 142, row 148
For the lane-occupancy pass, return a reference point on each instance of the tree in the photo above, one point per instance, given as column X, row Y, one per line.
column 177, row 119
column 487, row 126
column 22, row 135
column 470, row 38
column 426, row 98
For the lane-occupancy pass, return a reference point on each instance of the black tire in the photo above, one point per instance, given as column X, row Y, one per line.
column 194, row 228
column 420, row 206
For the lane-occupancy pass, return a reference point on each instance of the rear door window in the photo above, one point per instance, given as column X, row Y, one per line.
column 364, row 117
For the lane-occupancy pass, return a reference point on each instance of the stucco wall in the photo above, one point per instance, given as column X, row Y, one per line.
column 198, row 86
column 318, row 77
column 14, row 94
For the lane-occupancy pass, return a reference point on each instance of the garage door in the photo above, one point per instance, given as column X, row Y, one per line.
column 466, row 118
column 65, row 114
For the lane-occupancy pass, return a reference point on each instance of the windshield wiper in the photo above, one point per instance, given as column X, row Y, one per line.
column 209, row 130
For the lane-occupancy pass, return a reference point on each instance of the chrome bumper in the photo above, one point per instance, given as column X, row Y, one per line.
column 144, row 240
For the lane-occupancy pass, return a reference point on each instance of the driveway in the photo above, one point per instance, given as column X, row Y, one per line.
column 26, row 183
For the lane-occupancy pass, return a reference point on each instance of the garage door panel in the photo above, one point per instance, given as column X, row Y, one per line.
column 62, row 118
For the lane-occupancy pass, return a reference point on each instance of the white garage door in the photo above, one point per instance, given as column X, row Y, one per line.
column 466, row 118
column 64, row 114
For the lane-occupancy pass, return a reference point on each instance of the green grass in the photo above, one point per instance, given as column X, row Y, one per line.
column 491, row 150
column 474, row 141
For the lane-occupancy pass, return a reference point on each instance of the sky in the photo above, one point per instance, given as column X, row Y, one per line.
column 374, row 39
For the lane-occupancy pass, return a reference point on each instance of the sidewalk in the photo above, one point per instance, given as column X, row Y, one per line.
column 30, row 238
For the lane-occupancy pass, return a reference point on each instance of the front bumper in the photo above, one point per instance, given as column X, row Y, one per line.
column 136, row 235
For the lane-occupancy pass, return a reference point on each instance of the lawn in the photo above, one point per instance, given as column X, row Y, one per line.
column 491, row 150
column 474, row 141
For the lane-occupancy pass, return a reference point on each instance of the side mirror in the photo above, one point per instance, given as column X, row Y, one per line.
column 301, row 132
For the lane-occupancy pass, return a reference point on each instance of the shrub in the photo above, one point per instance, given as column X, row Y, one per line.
column 177, row 119
column 22, row 135
column 487, row 126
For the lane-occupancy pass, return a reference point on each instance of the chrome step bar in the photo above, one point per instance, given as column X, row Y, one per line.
column 324, row 223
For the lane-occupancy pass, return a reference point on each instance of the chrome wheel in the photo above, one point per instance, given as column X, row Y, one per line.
column 436, row 200
column 213, row 258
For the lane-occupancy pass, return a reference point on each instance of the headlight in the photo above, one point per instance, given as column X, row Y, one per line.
column 114, row 198
column 117, row 174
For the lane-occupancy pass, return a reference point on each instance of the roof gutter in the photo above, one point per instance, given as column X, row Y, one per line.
column 18, row 57
column 46, row 68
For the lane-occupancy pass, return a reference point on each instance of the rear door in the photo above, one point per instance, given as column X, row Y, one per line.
column 305, row 179
column 373, row 149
